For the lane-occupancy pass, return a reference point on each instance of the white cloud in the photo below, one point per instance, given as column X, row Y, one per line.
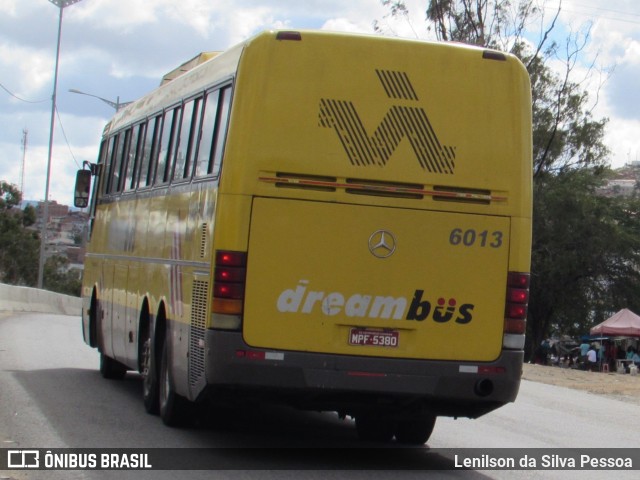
column 615, row 43
column 624, row 140
column 243, row 22
column 121, row 49
column 120, row 16
column 344, row 25
column 8, row 7
column 26, row 79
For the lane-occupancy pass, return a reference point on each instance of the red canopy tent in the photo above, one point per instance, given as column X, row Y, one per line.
column 625, row 323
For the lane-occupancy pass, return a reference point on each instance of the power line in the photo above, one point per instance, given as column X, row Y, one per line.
column 57, row 114
column 592, row 11
column 619, row 12
column 64, row 134
column 604, row 17
column 25, row 135
column 21, row 99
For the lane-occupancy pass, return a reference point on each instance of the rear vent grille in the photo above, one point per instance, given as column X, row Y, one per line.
column 305, row 182
column 462, row 195
column 377, row 188
column 198, row 325
column 203, row 241
column 384, row 189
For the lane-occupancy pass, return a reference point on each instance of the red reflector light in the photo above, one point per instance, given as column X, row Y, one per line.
column 231, row 259
column 251, row 355
column 229, row 282
column 228, row 290
column 230, row 274
column 516, row 304
column 515, row 326
column 518, row 280
column 490, row 370
column 518, row 295
column 516, row 311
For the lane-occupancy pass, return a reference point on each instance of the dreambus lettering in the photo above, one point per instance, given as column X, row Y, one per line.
column 303, row 300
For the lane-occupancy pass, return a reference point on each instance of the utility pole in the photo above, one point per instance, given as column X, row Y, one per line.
column 61, row 4
column 25, row 135
column 117, row 105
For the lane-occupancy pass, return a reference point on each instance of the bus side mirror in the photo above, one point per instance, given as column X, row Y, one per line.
column 83, row 186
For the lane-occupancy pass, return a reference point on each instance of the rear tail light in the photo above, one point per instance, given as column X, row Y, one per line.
column 229, row 282
column 517, row 300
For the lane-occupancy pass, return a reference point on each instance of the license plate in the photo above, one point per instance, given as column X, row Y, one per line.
column 375, row 338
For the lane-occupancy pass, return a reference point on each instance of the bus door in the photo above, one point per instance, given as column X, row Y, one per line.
column 119, row 311
column 105, row 315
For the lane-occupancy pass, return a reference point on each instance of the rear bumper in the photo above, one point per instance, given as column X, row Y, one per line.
column 345, row 383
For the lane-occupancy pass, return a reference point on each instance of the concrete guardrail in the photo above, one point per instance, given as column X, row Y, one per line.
column 25, row 299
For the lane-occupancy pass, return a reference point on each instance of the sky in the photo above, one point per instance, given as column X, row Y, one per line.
column 119, row 49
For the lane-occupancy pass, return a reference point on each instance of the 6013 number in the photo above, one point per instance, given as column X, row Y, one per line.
column 472, row 237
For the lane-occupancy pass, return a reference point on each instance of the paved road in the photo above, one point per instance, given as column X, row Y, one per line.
column 52, row 396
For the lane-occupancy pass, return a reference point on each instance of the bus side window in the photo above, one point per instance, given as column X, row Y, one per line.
column 167, row 141
column 121, row 161
column 114, row 164
column 186, row 147
column 207, row 133
column 221, row 131
column 149, row 150
column 133, row 157
column 105, row 159
column 118, row 153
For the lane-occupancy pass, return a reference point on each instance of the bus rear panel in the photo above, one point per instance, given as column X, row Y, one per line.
column 386, row 187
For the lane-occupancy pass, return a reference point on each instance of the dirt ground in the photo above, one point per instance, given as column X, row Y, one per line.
column 623, row 387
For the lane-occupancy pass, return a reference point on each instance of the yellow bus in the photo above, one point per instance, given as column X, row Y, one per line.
column 337, row 222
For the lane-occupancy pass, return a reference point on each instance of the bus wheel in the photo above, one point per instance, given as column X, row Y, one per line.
column 374, row 428
column 111, row 369
column 93, row 322
column 173, row 407
column 415, row 431
column 149, row 371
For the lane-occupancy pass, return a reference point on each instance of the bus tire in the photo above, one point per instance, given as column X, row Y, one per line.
column 415, row 431
column 374, row 428
column 111, row 369
column 93, row 321
column 174, row 409
column 149, row 371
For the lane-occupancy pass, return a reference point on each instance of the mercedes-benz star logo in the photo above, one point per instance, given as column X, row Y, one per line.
column 382, row 244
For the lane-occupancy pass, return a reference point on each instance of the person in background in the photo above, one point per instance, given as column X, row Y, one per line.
column 592, row 359
column 629, row 356
column 602, row 354
column 584, row 350
column 545, row 351
column 636, row 359
column 630, row 353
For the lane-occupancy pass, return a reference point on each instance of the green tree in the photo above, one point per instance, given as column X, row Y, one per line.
column 10, row 196
column 18, row 246
column 28, row 216
column 58, row 278
column 565, row 135
column 586, row 253
column 585, row 256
